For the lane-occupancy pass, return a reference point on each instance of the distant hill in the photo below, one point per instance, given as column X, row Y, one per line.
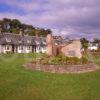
column 14, row 26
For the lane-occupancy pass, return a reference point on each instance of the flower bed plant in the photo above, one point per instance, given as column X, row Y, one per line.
column 60, row 60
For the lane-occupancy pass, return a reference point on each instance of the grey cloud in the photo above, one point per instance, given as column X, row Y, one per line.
column 73, row 16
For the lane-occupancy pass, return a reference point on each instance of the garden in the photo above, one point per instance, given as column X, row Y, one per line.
column 18, row 83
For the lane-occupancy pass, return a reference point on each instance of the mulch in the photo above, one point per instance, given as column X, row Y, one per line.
column 62, row 68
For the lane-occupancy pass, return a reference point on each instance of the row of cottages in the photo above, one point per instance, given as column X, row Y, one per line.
column 21, row 43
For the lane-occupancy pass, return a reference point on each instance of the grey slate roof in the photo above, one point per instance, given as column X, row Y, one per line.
column 15, row 39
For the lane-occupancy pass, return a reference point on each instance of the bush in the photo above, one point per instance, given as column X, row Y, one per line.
column 84, row 60
column 73, row 60
column 62, row 60
column 9, row 52
column 54, row 60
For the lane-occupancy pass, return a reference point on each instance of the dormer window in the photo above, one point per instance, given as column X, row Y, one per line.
column 8, row 40
column 20, row 41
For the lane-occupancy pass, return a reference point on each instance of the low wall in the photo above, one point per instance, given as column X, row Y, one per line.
column 63, row 69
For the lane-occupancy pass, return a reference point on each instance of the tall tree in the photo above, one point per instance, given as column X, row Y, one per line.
column 85, row 44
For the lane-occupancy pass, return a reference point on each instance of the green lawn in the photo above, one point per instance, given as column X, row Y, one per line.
column 17, row 83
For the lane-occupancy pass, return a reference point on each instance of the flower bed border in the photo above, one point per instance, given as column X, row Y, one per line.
column 62, row 68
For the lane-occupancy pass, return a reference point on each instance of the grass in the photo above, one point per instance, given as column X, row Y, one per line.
column 17, row 83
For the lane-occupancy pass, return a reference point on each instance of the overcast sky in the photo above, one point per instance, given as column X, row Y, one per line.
column 71, row 18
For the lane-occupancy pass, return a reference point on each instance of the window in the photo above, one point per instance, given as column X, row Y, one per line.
column 8, row 40
column 28, row 48
column 7, row 47
column 20, row 41
column 39, row 48
column 20, row 47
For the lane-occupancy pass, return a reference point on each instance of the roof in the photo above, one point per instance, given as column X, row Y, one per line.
column 16, row 39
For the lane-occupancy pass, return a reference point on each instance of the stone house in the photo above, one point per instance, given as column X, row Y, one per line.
column 68, row 48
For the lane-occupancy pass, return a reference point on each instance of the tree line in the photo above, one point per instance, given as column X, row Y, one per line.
column 14, row 26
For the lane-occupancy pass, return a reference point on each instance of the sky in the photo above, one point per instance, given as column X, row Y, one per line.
column 68, row 18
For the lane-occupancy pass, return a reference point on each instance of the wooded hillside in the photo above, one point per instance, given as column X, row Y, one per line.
column 14, row 26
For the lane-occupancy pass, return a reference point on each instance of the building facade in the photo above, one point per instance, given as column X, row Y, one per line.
column 21, row 43
column 93, row 46
column 51, row 46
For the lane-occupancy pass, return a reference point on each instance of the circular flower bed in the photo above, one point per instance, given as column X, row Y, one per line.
column 62, row 64
column 62, row 69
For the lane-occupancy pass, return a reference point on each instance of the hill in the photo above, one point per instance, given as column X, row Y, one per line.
column 14, row 26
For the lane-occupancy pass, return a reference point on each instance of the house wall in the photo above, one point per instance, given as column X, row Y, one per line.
column 6, row 48
column 28, row 49
column 43, row 49
column 18, row 49
column 93, row 48
column 24, row 49
column 15, row 49
column 38, row 49
column 0, row 48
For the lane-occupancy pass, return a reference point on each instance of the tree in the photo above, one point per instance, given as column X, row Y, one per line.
column 85, row 44
column 14, row 26
column 97, row 41
column 6, row 24
column 15, row 31
column 48, row 31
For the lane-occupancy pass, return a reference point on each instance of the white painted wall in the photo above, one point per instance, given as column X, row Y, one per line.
column 28, row 49
column 93, row 48
column 21, row 49
column 24, row 49
column 0, row 49
column 40, row 49
column 6, row 48
column 44, row 50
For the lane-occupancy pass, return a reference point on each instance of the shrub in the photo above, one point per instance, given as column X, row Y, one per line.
column 84, row 60
column 62, row 60
column 44, row 62
column 54, row 60
column 9, row 52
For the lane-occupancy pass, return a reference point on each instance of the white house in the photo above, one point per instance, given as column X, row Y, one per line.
column 21, row 43
column 93, row 46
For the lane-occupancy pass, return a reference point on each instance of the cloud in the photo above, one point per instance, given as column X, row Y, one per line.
column 67, row 17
